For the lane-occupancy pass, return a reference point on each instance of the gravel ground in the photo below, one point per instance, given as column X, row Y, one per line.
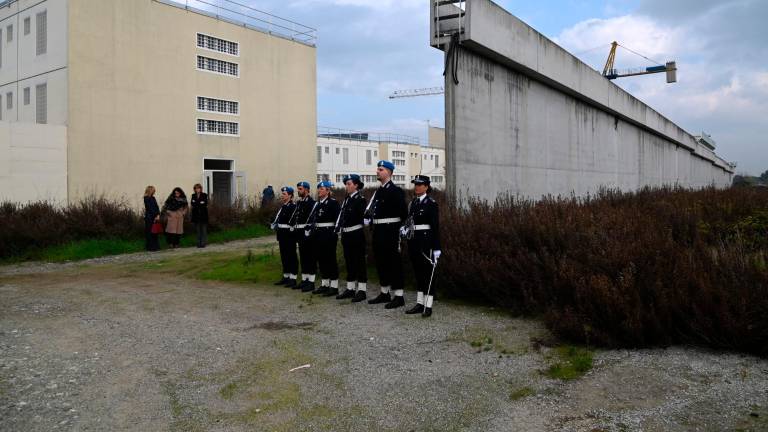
column 111, row 345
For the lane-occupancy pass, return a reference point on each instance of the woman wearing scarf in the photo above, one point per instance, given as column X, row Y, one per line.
column 175, row 209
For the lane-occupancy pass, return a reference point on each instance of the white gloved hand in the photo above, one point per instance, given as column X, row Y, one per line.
column 366, row 222
column 403, row 231
column 436, row 254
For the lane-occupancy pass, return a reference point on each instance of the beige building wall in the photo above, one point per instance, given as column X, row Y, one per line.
column 33, row 166
column 133, row 85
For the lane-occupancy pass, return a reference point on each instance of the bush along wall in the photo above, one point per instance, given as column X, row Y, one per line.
column 652, row 268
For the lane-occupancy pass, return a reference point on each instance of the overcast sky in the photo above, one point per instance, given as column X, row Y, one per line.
column 369, row 48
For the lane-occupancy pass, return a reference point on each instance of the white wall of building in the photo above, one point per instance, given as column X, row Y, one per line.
column 33, row 165
column 332, row 164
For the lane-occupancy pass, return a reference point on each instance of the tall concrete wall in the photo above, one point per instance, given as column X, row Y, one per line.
column 529, row 119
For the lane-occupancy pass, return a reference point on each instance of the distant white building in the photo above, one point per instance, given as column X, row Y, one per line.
column 341, row 152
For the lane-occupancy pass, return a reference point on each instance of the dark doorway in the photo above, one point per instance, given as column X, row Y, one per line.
column 222, row 188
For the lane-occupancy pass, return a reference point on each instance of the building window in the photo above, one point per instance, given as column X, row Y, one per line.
column 26, row 95
column 425, row 157
column 218, row 105
column 326, row 177
column 398, row 178
column 398, row 154
column 27, row 25
column 217, row 66
column 437, row 161
column 319, row 178
column 337, row 150
column 41, row 103
column 42, row 32
column 345, row 156
column 327, row 150
column 375, row 153
column 216, row 44
column 319, row 154
column 9, row 101
column 398, row 162
column 9, row 30
column 339, row 178
column 216, row 127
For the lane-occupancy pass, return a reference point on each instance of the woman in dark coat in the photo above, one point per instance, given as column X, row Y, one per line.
column 175, row 209
column 151, row 215
column 199, row 203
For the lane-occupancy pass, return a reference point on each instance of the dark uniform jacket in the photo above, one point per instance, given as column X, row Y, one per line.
column 353, row 210
column 283, row 220
column 304, row 208
column 326, row 213
column 199, row 208
column 424, row 212
column 389, row 202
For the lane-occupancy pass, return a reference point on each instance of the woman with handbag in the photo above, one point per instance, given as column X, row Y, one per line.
column 175, row 208
column 152, row 225
column 199, row 203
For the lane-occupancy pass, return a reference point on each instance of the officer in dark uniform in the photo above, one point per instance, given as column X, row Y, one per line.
column 350, row 227
column 286, row 239
column 387, row 212
column 321, row 229
column 422, row 231
column 304, row 208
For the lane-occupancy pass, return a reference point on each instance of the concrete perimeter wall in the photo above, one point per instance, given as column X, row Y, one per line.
column 529, row 119
column 33, row 166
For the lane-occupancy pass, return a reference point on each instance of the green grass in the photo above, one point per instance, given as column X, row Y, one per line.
column 95, row 248
column 521, row 393
column 251, row 268
column 573, row 363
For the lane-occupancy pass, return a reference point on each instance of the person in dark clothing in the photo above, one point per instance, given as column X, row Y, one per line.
column 305, row 206
column 321, row 228
column 387, row 212
column 199, row 202
column 175, row 209
column 422, row 231
column 151, row 216
column 286, row 238
column 267, row 196
column 350, row 226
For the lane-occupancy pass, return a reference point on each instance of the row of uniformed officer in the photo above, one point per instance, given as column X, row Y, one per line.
column 318, row 224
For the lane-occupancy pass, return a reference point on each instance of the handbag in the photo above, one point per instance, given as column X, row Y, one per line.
column 157, row 228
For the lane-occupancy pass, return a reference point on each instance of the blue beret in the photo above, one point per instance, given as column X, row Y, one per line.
column 304, row 184
column 325, row 183
column 354, row 177
column 387, row 164
column 287, row 189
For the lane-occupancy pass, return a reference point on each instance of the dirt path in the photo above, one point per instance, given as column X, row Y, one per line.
column 115, row 345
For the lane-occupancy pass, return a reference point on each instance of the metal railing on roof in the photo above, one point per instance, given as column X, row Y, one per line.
column 249, row 17
column 380, row 137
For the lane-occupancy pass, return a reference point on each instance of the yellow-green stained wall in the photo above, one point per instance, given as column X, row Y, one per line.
column 133, row 87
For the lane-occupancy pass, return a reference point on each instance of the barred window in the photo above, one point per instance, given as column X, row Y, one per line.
column 42, row 32
column 216, row 44
column 398, row 162
column 319, row 154
column 41, row 103
column 26, row 95
column 218, row 105
column 217, row 127
column 400, row 154
column 345, row 156
column 368, row 157
column 217, row 66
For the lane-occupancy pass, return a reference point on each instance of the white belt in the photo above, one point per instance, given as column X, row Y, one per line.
column 353, row 228
column 301, row 226
column 284, row 226
column 386, row 221
column 422, row 227
column 325, row 225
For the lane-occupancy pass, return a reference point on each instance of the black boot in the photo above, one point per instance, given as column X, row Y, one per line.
column 282, row 281
column 396, row 302
column 299, row 285
column 427, row 313
column 419, row 308
column 359, row 296
column 321, row 290
column 291, row 283
column 332, row 292
column 308, row 286
column 381, row 298
column 345, row 295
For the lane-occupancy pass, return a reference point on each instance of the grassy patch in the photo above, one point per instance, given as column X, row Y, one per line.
column 521, row 393
column 251, row 268
column 504, row 342
column 95, row 248
column 573, row 362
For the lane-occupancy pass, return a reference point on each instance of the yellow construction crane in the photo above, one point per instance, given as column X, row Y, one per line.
column 609, row 72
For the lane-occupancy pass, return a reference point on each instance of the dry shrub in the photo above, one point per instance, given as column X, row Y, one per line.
column 655, row 267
